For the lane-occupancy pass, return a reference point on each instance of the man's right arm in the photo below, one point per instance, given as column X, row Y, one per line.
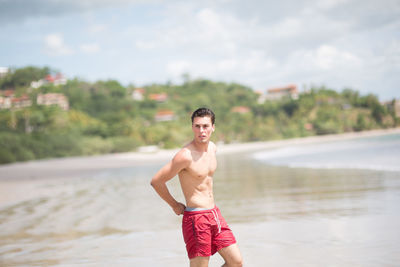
column 181, row 160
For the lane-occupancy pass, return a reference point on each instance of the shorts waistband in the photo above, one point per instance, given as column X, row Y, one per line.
column 195, row 209
column 190, row 211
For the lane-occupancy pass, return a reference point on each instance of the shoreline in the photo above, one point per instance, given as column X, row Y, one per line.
column 75, row 166
column 254, row 146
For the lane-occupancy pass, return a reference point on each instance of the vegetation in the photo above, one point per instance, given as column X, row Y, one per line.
column 104, row 118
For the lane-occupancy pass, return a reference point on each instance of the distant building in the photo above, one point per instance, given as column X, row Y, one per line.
column 53, row 99
column 138, row 94
column 21, row 102
column 57, row 79
column 37, row 84
column 280, row 92
column 5, row 102
column 8, row 93
column 164, row 115
column 261, row 97
column 308, row 126
column 4, row 71
column 240, row 109
column 8, row 100
column 159, row 97
column 5, row 99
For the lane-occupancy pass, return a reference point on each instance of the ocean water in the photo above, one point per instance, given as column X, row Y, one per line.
column 321, row 204
column 373, row 153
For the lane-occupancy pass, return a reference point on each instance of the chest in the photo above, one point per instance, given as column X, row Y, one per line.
column 203, row 166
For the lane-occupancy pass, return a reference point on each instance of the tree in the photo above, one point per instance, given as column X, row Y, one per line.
column 23, row 77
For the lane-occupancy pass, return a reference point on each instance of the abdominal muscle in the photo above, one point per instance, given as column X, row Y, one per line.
column 198, row 192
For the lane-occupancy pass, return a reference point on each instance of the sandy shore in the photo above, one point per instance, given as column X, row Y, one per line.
column 76, row 166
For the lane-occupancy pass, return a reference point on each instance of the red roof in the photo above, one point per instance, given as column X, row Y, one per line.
column 49, row 78
column 20, row 99
column 241, row 109
column 8, row 93
column 158, row 97
column 290, row 87
column 140, row 90
column 164, row 113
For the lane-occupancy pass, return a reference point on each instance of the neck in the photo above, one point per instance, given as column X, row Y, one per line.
column 203, row 147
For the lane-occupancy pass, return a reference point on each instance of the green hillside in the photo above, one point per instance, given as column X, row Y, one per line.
column 106, row 117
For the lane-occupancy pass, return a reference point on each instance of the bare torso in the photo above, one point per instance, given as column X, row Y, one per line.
column 197, row 179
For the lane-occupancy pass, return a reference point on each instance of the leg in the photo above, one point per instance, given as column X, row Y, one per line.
column 232, row 256
column 199, row 262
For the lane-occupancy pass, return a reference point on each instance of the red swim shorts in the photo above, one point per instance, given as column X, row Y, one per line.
column 205, row 232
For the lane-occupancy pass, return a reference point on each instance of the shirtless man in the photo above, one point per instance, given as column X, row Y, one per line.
column 204, row 229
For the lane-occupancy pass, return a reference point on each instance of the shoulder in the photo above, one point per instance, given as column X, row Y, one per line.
column 213, row 146
column 183, row 157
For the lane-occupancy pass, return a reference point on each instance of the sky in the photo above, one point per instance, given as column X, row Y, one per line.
column 261, row 44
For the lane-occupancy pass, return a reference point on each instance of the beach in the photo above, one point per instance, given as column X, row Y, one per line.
column 102, row 211
column 59, row 167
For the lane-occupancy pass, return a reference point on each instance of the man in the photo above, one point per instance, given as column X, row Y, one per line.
column 204, row 229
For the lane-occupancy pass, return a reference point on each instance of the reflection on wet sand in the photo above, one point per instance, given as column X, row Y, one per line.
column 267, row 192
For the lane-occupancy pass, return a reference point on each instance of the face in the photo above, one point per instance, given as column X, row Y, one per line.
column 202, row 128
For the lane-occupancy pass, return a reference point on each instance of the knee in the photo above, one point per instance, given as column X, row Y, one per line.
column 235, row 263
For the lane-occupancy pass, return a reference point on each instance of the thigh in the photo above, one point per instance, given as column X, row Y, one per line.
column 231, row 254
column 197, row 236
column 199, row 262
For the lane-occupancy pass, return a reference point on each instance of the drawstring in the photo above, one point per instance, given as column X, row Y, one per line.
column 214, row 212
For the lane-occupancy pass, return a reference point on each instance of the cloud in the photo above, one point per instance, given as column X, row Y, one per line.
column 97, row 28
column 204, row 29
column 247, row 68
column 306, row 46
column 325, row 57
column 145, row 45
column 329, row 4
column 178, row 67
column 54, row 45
column 16, row 11
column 258, row 43
column 90, row 48
column 328, row 57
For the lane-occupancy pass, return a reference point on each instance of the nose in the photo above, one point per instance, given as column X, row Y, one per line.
column 203, row 129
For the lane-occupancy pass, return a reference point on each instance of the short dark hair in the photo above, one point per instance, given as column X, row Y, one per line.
column 204, row 112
